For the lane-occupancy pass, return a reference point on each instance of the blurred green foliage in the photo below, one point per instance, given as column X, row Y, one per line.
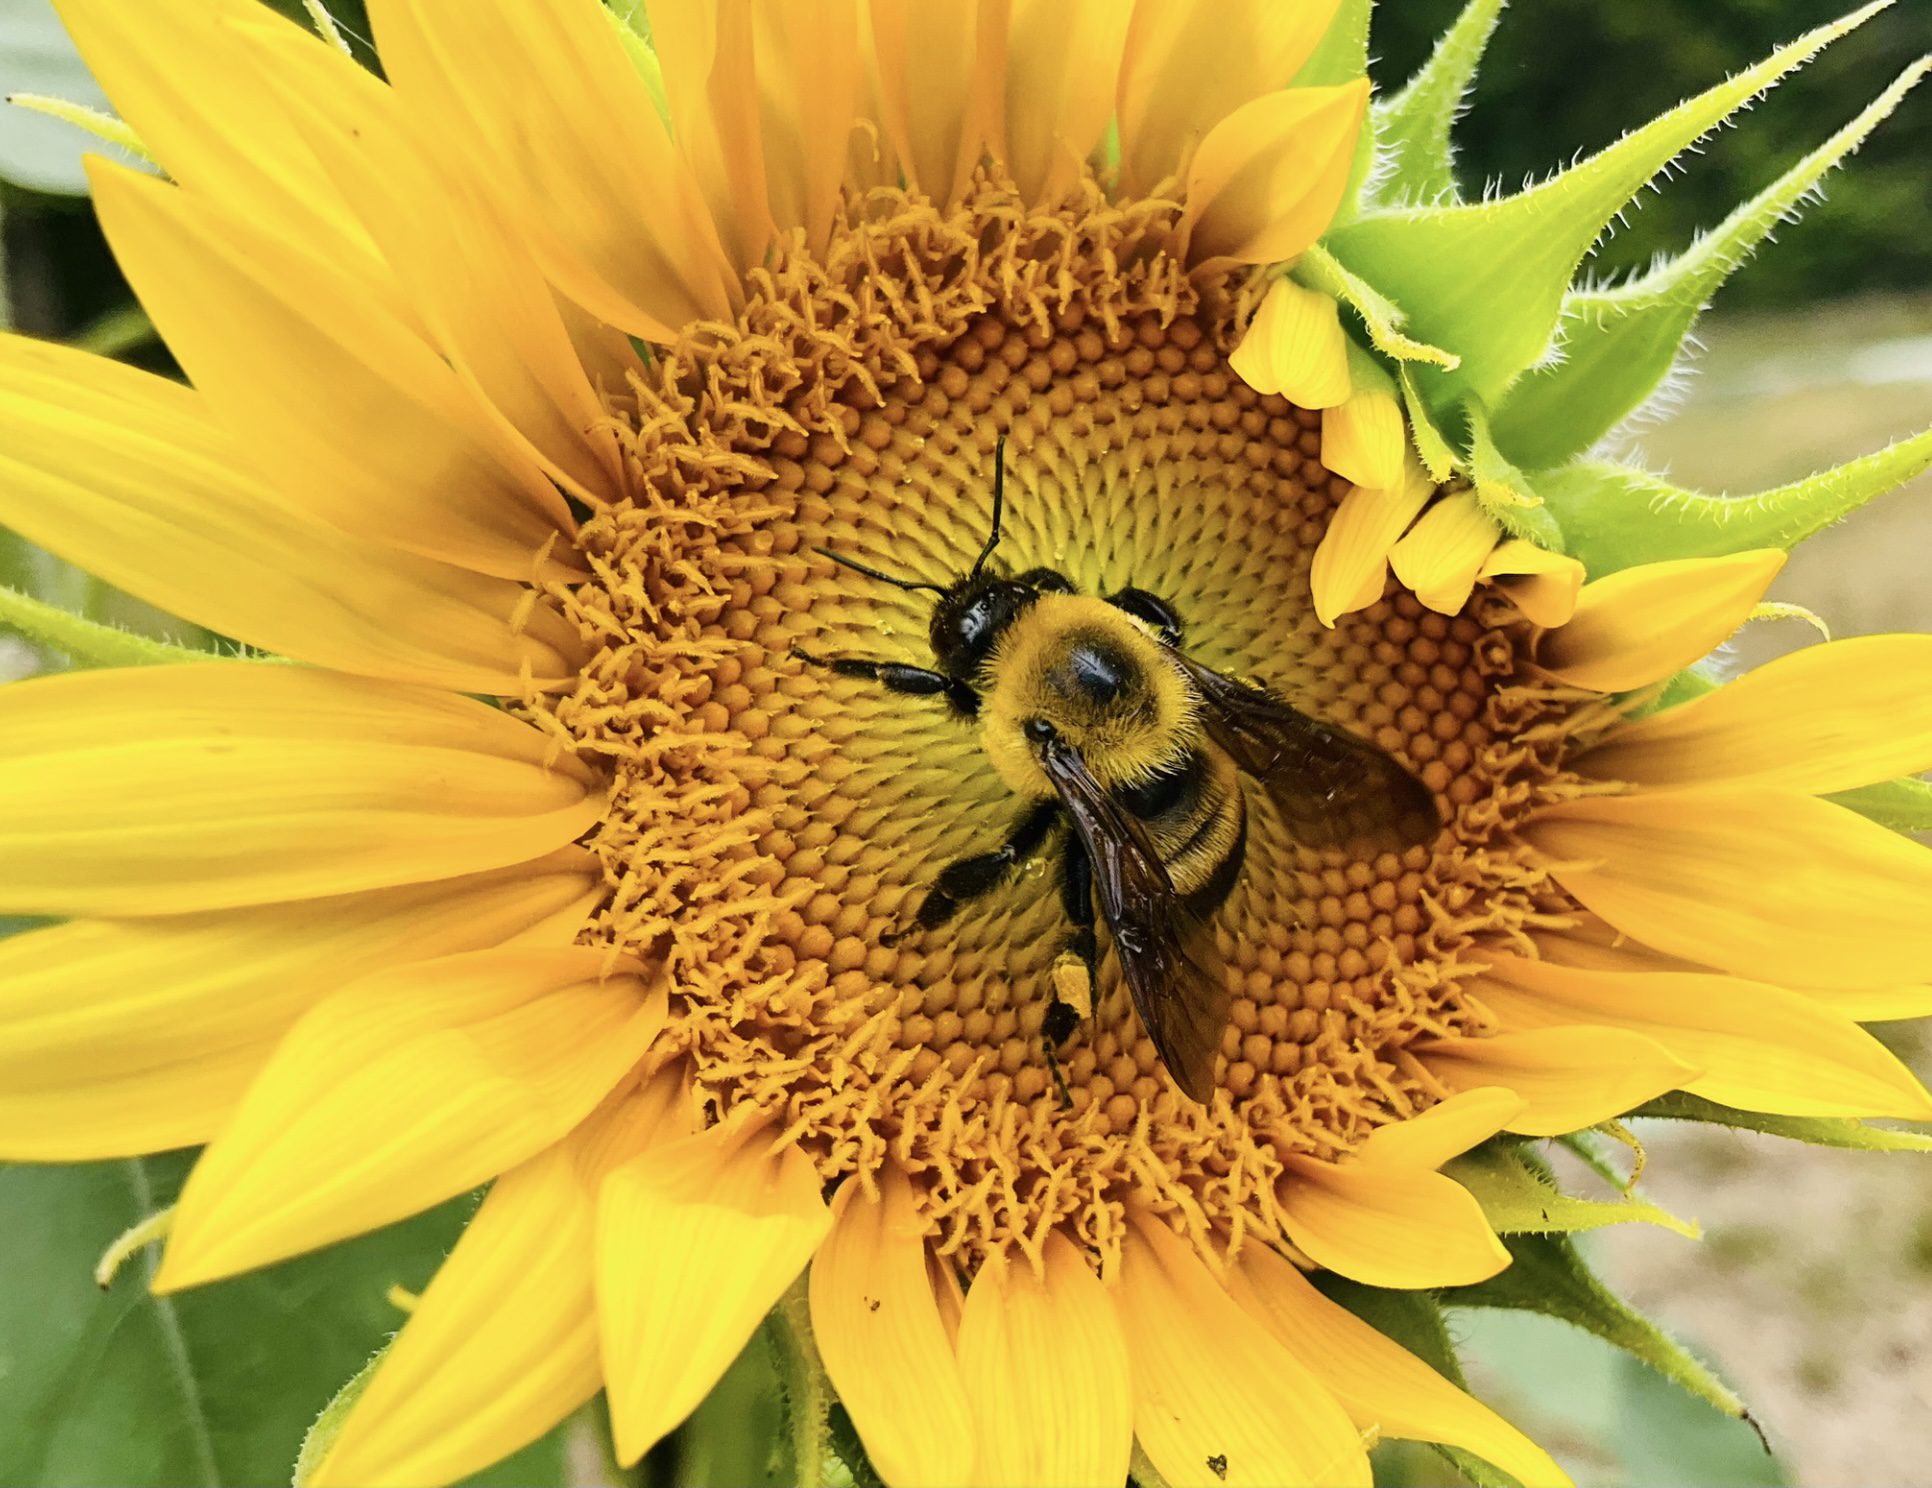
column 1571, row 75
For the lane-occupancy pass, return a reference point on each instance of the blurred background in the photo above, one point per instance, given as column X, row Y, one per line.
column 1812, row 1291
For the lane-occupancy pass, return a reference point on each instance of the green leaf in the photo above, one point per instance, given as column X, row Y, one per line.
column 1614, row 516
column 216, row 1386
column 1548, row 1276
column 88, row 642
column 1412, row 128
column 1487, row 279
column 1819, row 1131
column 1619, row 344
column 1519, row 1197
column 1903, row 805
column 1505, row 492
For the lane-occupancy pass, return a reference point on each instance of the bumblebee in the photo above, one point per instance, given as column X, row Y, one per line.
column 1091, row 712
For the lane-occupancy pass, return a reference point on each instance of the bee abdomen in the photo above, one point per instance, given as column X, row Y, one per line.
column 1199, row 821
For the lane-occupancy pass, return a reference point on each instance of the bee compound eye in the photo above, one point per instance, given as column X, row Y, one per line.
column 1039, row 730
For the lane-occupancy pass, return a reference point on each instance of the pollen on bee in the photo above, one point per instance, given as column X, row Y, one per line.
column 1073, row 984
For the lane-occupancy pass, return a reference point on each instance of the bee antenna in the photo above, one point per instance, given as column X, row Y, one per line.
column 999, row 504
column 873, row 573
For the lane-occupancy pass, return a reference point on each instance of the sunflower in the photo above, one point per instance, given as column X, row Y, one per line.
column 533, row 390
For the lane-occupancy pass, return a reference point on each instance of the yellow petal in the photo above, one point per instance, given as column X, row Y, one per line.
column 503, row 1343
column 879, row 1331
column 696, row 1240
column 941, row 64
column 1762, row 883
column 1447, row 1129
column 1063, row 58
column 120, row 1037
column 527, row 98
column 1217, row 1399
column 1295, row 347
column 808, row 78
column 1267, row 179
column 405, row 1089
column 468, row 273
column 1594, row 946
column 1186, row 67
column 1569, row 1078
column 1762, row 1048
column 236, row 783
column 1639, row 625
column 1383, row 1387
column 1352, row 560
column 1544, row 585
column 1364, row 439
column 1826, row 718
column 1442, row 554
column 1044, row 1361
column 127, row 475
column 418, row 473
column 1387, row 1226
column 191, row 84
column 1874, row 1004
column 711, row 85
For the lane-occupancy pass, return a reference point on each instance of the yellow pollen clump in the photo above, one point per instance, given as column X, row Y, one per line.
column 773, row 828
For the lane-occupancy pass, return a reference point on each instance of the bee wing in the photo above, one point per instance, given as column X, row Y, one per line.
column 1332, row 789
column 1183, row 1004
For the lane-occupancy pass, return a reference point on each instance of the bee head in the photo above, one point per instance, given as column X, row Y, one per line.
column 970, row 618
column 1098, row 679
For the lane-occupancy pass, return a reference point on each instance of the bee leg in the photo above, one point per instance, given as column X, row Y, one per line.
column 1151, row 608
column 898, row 676
column 970, row 878
column 1075, row 971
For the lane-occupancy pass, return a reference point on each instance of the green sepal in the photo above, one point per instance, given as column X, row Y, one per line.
column 1590, row 1150
column 1903, row 805
column 1141, row 1473
column 1505, row 492
column 824, row 1451
column 328, row 1426
column 1318, row 269
column 1548, row 1276
column 88, row 642
column 1341, row 57
column 633, row 33
column 1519, row 1197
column 1412, row 128
column 1818, row 1131
column 1487, row 279
column 108, row 128
column 1438, row 456
column 1619, row 344
column 1614, row 516
column 1783, row 609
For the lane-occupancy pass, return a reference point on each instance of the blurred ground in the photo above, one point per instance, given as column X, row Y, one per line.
column 1812, row 1291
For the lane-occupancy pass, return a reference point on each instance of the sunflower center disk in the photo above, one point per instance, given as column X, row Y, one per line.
column 775, row 827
